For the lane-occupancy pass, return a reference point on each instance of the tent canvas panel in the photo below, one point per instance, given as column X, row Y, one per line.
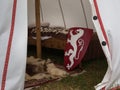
column 13, row 46
column 107, row 27
column 51, row 12
column 62, row 12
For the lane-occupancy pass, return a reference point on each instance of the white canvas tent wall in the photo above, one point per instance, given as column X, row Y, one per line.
column 13, row 43
column 67, row 13
column 107, row 27
column 13, row 46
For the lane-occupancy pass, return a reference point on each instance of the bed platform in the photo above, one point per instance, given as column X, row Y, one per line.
column 51, row 37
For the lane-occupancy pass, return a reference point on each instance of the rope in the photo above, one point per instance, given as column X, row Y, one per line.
column 84, row 13
column 62, row 13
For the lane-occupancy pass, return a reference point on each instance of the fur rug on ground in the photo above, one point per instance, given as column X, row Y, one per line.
column 39, row 71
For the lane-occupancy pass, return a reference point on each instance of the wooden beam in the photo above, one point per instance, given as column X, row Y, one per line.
column 38, row 25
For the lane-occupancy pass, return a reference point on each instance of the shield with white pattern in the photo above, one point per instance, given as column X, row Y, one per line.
column 77, row 42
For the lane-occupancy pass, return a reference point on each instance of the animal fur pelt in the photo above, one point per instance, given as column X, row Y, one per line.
column 54, row 71
column 38, row 68
column 35, row 65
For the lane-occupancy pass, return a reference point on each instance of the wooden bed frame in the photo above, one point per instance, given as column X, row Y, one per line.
column 49, row 43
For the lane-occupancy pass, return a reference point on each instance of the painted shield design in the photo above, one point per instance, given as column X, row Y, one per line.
column 77, row 42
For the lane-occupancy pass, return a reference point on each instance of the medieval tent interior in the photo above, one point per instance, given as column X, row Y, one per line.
column 74, row 43
column 55, row 19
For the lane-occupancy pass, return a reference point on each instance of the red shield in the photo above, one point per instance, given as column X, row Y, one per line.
column 77, row 42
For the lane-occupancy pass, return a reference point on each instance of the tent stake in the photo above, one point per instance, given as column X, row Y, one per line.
column 38, row 33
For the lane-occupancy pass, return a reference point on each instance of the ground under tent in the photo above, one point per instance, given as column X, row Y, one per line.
column 13, row 28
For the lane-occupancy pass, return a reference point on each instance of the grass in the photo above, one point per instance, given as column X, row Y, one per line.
column 95, row 70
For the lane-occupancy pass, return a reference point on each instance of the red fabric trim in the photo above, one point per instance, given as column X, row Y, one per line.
column 115, row 88
column 102, row 28
column 9, row 45
column 100, row 21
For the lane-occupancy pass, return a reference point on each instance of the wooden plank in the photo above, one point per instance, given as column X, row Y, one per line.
column 38, row 33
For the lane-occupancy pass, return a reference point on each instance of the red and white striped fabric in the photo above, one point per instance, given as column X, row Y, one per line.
column 13, row 43
column 106, row 18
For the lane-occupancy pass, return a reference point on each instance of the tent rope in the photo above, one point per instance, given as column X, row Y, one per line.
column 84, row 13
column 62, row 13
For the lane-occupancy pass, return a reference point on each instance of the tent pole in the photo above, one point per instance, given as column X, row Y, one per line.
column 38, row 33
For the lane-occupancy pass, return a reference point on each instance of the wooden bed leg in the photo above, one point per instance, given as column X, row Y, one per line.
column 38, row 33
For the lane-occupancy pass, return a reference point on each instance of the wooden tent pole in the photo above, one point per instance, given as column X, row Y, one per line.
column 38, row 33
